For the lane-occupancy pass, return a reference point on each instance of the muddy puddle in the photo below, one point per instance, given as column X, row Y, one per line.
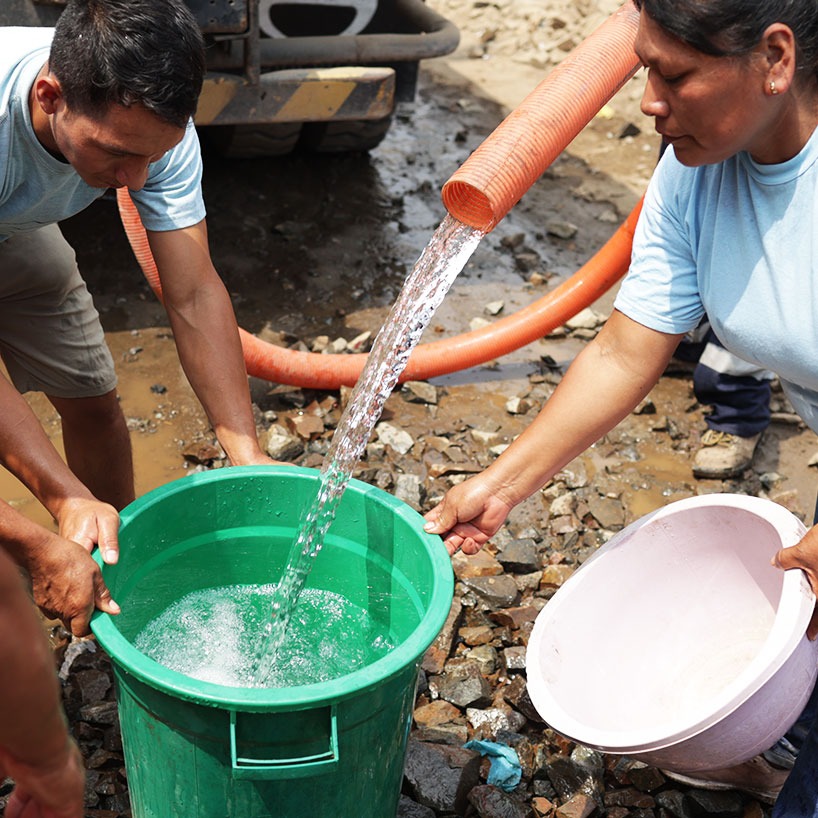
column 161, row 409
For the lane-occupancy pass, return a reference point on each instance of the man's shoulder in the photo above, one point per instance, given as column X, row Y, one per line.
column 23, row 39
column 18, row 42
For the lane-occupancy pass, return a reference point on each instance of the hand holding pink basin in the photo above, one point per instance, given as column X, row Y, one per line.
column 678, row 643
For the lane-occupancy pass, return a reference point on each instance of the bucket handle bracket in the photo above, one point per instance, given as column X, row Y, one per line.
column 284, row 768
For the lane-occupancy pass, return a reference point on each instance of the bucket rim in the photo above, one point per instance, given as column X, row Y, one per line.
column 127, row 658
column 786, row 634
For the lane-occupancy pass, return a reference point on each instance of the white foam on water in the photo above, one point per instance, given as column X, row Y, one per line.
column 212, row 635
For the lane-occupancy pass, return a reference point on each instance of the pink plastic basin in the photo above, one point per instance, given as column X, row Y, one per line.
column 678, row 643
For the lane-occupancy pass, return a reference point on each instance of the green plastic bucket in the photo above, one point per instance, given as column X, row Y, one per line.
column 195, row 749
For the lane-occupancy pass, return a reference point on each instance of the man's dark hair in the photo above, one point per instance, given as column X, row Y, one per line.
column 129, row 52
column 731, row 28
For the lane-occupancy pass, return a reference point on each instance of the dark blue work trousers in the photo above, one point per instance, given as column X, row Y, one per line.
column 740, row 401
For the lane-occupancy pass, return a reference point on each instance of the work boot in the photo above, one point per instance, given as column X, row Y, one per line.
column 724, row 455
column 756, row 777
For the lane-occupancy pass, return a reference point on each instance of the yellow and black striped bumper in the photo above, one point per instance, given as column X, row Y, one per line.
column 298, row 95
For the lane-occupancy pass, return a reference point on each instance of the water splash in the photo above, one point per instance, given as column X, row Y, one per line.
column 210, row 634
column 444, row 257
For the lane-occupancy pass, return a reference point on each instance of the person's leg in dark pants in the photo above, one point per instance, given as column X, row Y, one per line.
column 739, row 396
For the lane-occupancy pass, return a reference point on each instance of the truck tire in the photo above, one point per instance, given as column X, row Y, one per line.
column 252, row 141
column 281, row 138
column 354, row 136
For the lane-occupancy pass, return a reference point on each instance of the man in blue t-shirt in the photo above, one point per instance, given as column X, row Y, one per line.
column 104, row 100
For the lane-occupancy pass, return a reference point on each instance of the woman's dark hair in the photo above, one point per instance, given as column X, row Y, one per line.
column 730, row 28
column 129, row 52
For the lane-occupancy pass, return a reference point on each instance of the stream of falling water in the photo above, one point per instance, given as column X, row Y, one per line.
column 444, row 257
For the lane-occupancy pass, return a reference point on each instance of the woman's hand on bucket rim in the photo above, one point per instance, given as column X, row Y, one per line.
column 803, row 555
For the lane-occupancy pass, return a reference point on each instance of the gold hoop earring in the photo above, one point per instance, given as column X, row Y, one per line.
column 773, row 89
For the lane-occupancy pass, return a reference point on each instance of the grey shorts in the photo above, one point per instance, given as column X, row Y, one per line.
column 51, row 339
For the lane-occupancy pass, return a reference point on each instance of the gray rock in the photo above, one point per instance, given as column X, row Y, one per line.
column 101, row 713
column 516, row 694
column 281, row 445
column 528, row 582
column 486, row 657
column 562, row 230
column 399, row 439
column 514, row 657
column 513, row 241
column 676, row 803
column 489, row 438
column 564, row 505
column 491, row 802
column 582, row 772
column 645, row 407
column 419, row 392
column 518, row 406
column 728, row 804
column 492, row 720
column 520, row 557
column 75, row 648
column 455, row 735
column 585, row 319
column 629, row 797
column 441, row 777
column 409, row 488
column 527, row 262
column 644, row 777
column 407, row 808
column 93, row 685
column 462, row 684
column 498, row 592
column 607, row 511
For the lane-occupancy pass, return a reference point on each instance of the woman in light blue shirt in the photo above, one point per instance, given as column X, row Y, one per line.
column 728, row 229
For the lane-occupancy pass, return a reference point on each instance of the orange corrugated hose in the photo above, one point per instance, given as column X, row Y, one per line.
column 479, row 194
column 311, row 370
column 494, row 178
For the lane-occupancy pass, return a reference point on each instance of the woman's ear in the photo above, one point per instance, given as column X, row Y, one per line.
column 778, row 49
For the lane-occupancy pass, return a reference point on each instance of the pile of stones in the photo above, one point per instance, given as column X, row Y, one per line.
column 472, row 683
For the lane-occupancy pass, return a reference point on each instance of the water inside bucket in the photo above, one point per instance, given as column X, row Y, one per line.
column 211, row 635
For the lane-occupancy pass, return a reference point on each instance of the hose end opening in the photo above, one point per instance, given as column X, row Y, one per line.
column 469, row 205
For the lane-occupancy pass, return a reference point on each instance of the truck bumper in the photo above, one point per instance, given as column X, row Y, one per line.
column 298, row 95
column 319, row 79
